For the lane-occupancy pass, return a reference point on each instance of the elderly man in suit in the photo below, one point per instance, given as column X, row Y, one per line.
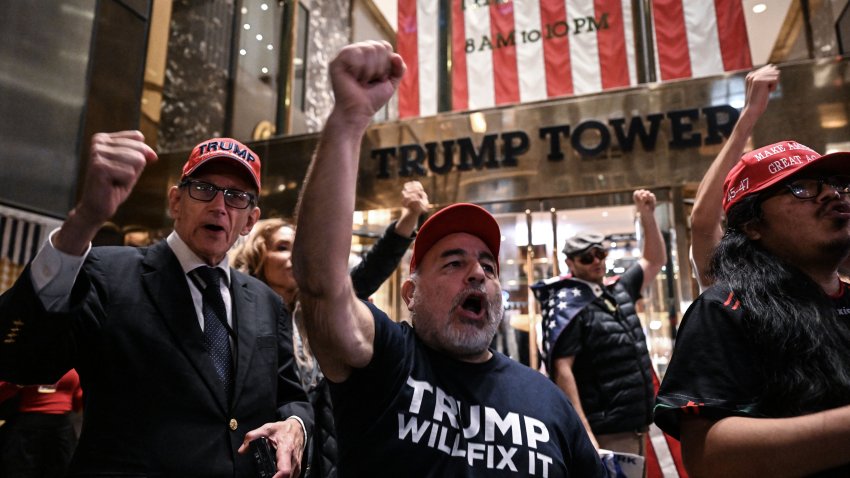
column 183, row 361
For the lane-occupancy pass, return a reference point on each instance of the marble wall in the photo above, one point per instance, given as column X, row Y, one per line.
column 330, row 30
column 195, row 93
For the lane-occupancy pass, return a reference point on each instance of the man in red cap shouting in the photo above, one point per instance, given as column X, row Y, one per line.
column 431, row 400
column 182, row 360
column 759, row 381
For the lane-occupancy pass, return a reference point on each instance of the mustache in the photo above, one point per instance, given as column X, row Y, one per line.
column 487, row 304
column 841, row 204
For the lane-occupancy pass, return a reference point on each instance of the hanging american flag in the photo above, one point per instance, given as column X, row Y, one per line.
column 417, row 42
column 561, row 299
column 514, row 51
column 699, row 38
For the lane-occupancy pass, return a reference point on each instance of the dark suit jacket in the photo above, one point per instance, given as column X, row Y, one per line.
column 153, row 405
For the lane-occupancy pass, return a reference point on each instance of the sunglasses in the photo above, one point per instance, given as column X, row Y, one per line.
column 588, row 257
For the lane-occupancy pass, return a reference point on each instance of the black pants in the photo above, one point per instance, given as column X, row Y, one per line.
column 37, row 445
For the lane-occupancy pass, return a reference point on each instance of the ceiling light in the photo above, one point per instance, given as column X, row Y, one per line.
column 246, row 26
column 264, row 70
column 270, row 47
column 264, row 7
column 259, row 37
column 244, row 10
column 759, row 8
column 243, row 52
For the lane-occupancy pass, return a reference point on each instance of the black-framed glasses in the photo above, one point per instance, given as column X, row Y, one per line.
column 807, row 188
column 587, row 258
column 203, row 191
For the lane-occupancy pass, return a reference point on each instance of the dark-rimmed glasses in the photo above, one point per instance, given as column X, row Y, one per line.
column 203, row 191
column 587, row 258
column 807, row 188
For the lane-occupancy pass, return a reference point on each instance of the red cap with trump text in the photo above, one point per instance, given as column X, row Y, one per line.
column 223, row 149
column 461, row 217
column 764, row 167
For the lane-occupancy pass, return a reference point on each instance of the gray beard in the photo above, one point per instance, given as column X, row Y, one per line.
column 469, row 341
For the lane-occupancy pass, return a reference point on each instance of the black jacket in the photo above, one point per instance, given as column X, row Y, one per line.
column 152, row 401
column 612, row 368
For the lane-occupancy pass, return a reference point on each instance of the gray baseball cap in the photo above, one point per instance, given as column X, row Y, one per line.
column 582, row 242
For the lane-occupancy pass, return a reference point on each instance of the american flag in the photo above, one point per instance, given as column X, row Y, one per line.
column 561, row 299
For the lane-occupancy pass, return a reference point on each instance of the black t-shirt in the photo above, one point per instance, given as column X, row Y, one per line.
column 714, row 371
column 415, row 412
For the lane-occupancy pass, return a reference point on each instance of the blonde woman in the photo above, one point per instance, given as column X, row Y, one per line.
column 267, row 255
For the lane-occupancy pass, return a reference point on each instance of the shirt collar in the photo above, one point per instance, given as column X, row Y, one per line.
column 596, row 288
column 190, row 261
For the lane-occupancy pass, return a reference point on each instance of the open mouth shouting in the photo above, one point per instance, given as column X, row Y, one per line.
column 213, row 228
column 471, row 305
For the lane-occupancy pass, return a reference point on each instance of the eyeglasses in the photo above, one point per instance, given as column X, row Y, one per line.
column 206, row 192
column 587, row 258
column 807, row 188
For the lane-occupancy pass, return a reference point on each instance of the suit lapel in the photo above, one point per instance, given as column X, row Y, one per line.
column 168, row 290
column 246, row 325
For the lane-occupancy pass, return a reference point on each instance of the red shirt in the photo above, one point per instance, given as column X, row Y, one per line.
column 59, row 398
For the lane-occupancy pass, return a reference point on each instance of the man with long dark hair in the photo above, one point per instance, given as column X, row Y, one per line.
column 759, row 381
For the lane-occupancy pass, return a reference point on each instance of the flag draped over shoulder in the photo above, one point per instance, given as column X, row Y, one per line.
column 561, row 299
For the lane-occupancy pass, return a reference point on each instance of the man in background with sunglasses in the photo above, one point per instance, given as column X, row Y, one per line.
column 758, row 383
column 594, row 346
column 182, row 359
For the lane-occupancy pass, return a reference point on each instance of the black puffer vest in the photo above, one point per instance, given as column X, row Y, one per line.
column 612, row 370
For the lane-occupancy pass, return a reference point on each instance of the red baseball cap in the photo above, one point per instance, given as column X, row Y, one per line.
column 762, row 168
column 223, row 148
column 460, row 217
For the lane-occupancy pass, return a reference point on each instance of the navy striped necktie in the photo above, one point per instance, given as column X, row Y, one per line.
column 216, row 337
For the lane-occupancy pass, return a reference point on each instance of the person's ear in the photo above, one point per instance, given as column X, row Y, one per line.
column 752, row 230
column 174, row 201
column 253, row 217
column 407, row 290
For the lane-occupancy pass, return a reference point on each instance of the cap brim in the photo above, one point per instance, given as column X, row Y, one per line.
column 838, row 162
column 457, row 218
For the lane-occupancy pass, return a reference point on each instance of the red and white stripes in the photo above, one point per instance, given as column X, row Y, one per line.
column 516, row 51
column 417, row 42
column 699, row 38
column 528, row 50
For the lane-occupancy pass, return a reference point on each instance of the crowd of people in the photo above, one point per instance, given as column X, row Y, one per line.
column 193, row 354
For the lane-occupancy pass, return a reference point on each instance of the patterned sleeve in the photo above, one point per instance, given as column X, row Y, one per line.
column 714, row 371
